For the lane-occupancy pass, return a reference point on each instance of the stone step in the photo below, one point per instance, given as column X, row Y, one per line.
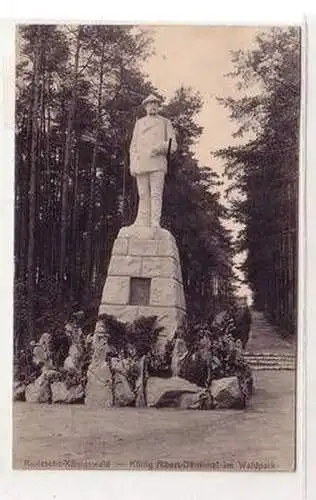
column 276, row 365
column 265, row 363
column 271, row 361
column 290, row 358
column 271, row 354
column 271, row 357
column 273, row 368
column 271, row 364
column 255, row 366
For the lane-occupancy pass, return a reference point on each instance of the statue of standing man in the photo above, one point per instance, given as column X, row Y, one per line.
column 153, row 139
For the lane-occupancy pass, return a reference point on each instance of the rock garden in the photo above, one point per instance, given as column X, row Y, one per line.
column 127, row 364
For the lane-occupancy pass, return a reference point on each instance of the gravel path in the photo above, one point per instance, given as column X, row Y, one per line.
column 68, row 436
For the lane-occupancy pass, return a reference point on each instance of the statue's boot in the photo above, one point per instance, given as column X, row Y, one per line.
column 143, row 216
column 156, row 205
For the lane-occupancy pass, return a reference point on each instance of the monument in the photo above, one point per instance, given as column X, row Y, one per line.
column 144, row 276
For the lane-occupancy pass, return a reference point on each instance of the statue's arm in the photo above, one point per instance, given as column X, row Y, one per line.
column 172, row 135
column 169, row 134
column 133, row 145
column 133, row 152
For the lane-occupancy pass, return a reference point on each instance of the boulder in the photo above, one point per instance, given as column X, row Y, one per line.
column 51, row 375
column 201, row 400
column 42, row 351
column 226, row 393
column 141, row 383
column 74, row 358
column 180, row 351
column 62, row 394
column 69, row 364
column 99, row 386
column 123, row 394
column 100, row 348
column 39, row 391
column 18, row 391
column 168, row 392
column 140, row 400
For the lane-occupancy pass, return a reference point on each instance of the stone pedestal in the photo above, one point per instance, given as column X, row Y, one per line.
column 144, row 279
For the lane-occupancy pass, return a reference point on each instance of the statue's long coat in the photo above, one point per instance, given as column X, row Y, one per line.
column 151, row 132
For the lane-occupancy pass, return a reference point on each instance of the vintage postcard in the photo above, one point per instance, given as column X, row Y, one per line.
column 156, row 249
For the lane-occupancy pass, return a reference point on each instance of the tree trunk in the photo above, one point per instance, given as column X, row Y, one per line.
column 48, row 188
column 89, row 264
column 65, row 177
column 74, row 274
column 32, row 190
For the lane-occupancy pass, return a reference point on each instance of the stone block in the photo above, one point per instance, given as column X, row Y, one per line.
column 166, row 292
column 122, row 313
column 125, row 265
column 120, row 246
column 144, row 232
column 116, row 290
column 167, row 247
column 154, row 267
column 143, row 248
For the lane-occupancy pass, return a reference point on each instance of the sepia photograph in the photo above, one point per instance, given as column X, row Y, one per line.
column 156, row 238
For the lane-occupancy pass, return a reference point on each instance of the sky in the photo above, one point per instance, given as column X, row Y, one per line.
column 200, row 57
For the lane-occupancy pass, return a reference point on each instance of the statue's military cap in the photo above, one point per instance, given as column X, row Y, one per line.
column 151, row 98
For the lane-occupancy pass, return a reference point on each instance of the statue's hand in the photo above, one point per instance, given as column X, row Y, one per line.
column 161, row 150
column 133, row 162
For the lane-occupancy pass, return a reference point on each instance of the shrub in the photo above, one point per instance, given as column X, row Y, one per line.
column 214, row 354
column 140, row 336
column 137, row 339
